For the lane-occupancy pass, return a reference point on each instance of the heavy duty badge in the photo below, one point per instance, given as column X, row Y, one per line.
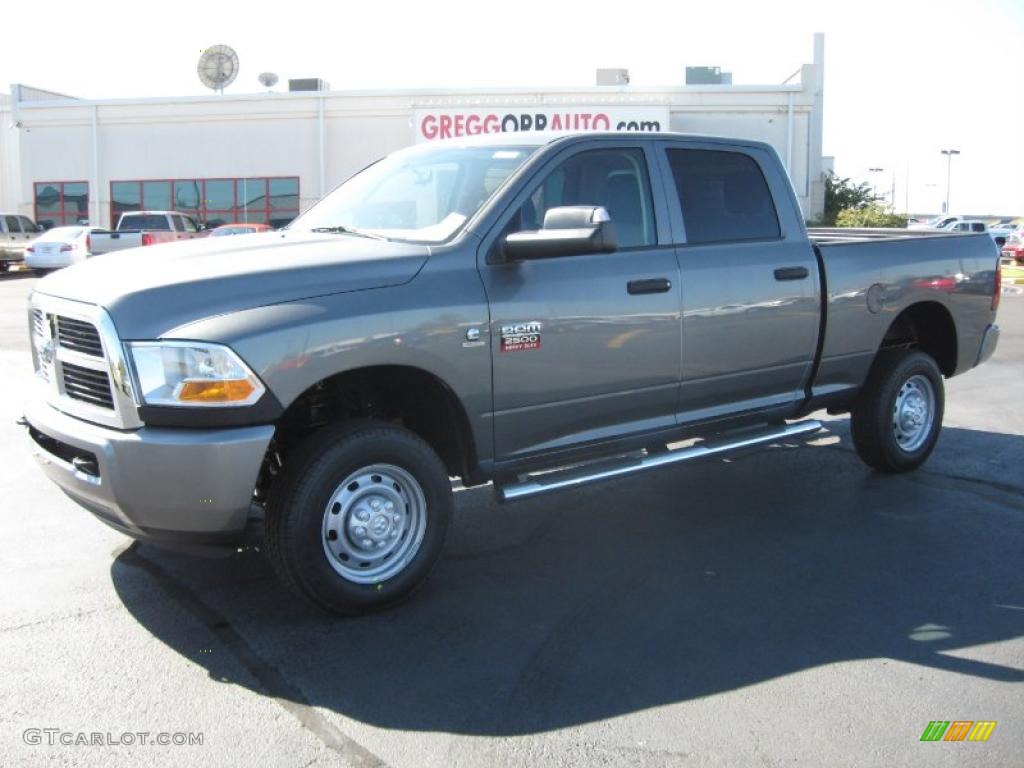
column 520, row 336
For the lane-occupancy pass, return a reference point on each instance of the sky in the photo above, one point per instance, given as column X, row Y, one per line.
column 903, row 80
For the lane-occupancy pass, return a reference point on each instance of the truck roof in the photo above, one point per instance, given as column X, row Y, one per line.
column 541, row 138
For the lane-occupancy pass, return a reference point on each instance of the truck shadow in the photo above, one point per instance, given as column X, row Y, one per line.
column 616, row 598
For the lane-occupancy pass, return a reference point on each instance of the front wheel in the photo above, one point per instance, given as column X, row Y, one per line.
column 896, row 420
column 358, row 517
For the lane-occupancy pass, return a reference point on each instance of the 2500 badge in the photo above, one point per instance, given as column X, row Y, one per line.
column 520, row 336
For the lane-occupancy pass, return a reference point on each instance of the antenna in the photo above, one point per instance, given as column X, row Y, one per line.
column 268, row 79
column 218, row 67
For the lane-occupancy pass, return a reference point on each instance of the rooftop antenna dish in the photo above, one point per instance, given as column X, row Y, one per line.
column 218, row 67
column 268, row 79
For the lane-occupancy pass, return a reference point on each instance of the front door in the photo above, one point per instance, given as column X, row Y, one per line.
column 583, row 348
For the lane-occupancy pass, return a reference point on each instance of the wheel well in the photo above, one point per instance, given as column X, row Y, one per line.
column 412, row 397
column 928, row 326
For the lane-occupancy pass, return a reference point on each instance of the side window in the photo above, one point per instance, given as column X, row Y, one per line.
column 26, row 224
column 12, row 224
column 188, row 223
column 723, row 195
column 179, row 224
column 614, row 178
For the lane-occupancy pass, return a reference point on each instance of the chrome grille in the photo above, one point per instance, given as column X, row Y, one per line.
column 79, row 336
column 80, row 363
column 87, row 385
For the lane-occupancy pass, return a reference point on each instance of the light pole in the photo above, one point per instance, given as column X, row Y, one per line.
column 874, row 181
column 949, row 164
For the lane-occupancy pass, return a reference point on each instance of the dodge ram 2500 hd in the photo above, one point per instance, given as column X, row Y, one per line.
column 533, row 310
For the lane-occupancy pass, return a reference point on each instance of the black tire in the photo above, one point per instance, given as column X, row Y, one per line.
column 297, row 538
column 878, row 437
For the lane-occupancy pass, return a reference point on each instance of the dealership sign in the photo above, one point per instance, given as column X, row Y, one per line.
column 433, row 124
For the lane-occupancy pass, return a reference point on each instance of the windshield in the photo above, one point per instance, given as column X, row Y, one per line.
column 422, row 193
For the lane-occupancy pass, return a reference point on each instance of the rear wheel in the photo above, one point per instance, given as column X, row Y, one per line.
column 896, row 420
column 359, row 516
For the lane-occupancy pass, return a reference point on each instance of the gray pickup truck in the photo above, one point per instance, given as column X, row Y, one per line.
column 535, row 311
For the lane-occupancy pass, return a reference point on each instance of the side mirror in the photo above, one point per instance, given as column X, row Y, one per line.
column 40, row 228
column 568, row 231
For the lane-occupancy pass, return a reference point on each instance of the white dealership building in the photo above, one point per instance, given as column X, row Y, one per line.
column 266, row 156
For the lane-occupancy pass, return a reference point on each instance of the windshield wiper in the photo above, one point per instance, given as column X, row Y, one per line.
column 346, row 231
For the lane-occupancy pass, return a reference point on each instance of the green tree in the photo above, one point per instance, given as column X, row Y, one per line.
column 841, row 194
column 873, row 215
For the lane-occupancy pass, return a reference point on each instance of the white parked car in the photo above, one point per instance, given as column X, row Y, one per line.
column 60, row 247
column 939, row 222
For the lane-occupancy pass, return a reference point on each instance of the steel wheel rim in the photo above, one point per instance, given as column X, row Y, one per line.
column 913, row 413
column 374, row 523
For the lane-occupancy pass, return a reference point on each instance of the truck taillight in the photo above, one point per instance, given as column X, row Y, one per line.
column 66, row 247
column 30, row 249
column 88, row 244
column 999, row 286
column 147, row 238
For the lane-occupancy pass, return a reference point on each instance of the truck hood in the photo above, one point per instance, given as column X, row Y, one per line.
column 150, row 291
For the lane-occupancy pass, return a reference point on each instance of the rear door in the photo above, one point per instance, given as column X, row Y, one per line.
column 750, row 287
column 586, row 347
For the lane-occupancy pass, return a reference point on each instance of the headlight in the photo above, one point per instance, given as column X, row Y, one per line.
column 192, row 374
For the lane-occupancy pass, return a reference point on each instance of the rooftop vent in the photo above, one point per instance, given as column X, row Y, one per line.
column 613, row 77
column 308, row 84
column 707, row 76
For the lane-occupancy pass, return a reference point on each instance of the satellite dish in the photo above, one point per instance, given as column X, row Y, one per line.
column 268, row 79
column 218, row 67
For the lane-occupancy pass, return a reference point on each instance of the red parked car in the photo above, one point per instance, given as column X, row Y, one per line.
column 1014, row 247
column 241, row 228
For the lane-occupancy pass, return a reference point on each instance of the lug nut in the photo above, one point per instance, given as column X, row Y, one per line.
column 359, row 531
column 375, row 504
column 367, row 543
column 363, row 515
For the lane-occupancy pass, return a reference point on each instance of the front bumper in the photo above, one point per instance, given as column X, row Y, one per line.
column 988, row 343
column 172, row 486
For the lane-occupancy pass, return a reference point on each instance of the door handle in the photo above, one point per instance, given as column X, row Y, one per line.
column 791, row 273
column 654, row 285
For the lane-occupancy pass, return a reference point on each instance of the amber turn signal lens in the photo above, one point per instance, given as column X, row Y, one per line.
column 226, row 391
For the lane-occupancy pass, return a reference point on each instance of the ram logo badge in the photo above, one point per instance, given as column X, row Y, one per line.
column 519, row 337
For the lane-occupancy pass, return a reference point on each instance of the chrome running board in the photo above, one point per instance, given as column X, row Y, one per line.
column 545, row 482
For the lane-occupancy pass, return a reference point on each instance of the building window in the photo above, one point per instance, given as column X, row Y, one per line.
column 60, row 203
column 262, row 199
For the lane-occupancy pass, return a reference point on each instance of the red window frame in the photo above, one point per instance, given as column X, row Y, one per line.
column 63, row 208
column 235, row 214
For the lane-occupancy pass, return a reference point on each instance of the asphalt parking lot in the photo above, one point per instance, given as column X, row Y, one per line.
column 785, row 608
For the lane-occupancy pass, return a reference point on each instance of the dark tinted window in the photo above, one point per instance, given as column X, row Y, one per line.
column 61, row 203
column 153, row 221
column 12, row 224
column 284, row 193
column 156, row 195
column 723, row 195
column 613, row 178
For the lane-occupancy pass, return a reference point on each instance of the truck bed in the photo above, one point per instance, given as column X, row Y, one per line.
column 835, row 235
